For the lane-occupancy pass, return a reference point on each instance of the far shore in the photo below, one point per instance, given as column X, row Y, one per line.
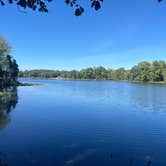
column 68, row 79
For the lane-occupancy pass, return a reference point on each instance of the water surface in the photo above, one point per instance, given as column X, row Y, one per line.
column 83, row 123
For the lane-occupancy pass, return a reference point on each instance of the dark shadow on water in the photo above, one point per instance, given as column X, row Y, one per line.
column 3, row 159
column 8, row 102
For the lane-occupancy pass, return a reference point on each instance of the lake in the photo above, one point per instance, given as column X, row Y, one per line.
column 83, row 123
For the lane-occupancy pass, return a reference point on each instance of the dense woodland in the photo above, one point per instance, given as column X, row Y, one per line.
column 142, row 72
column 8, row 66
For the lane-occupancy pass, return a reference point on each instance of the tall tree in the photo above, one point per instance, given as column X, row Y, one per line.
column 8, row 66
column 4, row 47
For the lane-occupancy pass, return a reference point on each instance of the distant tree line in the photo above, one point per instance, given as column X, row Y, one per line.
column 142, row 72
column 8, row 66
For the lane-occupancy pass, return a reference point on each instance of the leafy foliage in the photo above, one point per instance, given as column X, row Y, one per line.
column 142, row 72
column 41, row 5
column 8, row 66
column 4, row 47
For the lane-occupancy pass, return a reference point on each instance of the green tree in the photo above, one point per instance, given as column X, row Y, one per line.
column 120, row 74
column 8, row 66
column 4, row 47
column 100, row 73
column 158, row 67
column 141, row 72
column 164, row 75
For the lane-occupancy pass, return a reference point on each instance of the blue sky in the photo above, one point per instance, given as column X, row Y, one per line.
column 122, row 33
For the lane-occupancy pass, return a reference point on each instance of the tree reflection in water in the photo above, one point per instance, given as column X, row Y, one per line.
column 8, row 102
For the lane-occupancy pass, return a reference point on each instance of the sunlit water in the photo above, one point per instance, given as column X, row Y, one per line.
column 84, row 123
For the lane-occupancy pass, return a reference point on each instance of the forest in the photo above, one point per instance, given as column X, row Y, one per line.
column 8, row 66
column 142, row 72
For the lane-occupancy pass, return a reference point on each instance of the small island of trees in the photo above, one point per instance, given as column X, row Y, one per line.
column 142, row 72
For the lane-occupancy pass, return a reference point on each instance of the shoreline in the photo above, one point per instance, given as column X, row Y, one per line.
column 3, row 93
column 67, row 79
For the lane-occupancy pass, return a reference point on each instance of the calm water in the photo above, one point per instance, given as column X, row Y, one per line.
column 83, row 123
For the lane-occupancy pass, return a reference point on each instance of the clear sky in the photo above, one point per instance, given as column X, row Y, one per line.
column 122, row 33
